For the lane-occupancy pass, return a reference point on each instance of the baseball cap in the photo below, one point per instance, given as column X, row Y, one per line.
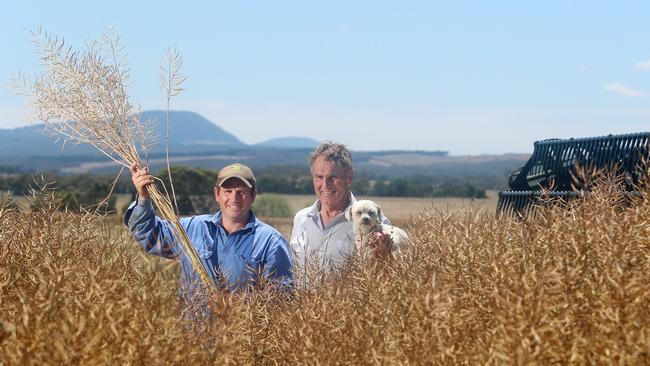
column 239, row 171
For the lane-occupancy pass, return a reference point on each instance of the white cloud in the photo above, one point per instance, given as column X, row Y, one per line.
column 643, row 65
column 623, row 90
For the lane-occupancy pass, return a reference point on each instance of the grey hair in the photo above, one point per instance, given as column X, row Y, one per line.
column 337, row 153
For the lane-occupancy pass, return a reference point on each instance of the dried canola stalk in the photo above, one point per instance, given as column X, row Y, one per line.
column 81, row 98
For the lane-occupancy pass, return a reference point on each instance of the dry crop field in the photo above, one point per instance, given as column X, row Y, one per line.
column 569, row 287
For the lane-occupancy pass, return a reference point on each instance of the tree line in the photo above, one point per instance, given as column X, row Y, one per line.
column 83, row 190
column 73, row 192
column 419, row 186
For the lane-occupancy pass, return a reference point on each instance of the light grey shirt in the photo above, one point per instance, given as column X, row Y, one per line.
column 318, row 245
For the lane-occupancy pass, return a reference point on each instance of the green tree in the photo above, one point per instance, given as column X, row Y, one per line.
column 380, row 189
column 273, row 183
column 361, row 186
column 189, row 180
column 304, row 185
column 91, row 197
column 185, row 205
column 271, row 205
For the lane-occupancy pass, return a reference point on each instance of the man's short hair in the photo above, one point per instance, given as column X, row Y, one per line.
column 337, row 153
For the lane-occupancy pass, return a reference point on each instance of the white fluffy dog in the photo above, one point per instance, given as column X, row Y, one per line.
column 373, row 238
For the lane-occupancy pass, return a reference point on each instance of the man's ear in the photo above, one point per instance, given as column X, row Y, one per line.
column 253, row 194
column 348, row 213
column 348, row 179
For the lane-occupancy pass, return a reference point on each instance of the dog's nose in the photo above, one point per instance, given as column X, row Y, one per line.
column 366, row 219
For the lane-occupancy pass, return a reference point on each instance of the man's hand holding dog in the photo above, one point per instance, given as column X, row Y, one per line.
column 379, row 246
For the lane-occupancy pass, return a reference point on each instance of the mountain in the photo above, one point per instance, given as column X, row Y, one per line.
column 32, row 141
column 196, row 141
column 290, row 142
column 189, row 133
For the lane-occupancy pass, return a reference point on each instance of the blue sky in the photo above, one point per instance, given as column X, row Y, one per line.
column 470, row 77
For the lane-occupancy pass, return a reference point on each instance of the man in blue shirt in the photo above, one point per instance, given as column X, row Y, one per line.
column 234, row 246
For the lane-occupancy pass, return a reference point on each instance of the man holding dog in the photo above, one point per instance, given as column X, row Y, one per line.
column 233, row 244
column 322, row 237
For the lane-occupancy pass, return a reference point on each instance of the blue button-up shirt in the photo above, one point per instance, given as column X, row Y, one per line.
column 233, row 260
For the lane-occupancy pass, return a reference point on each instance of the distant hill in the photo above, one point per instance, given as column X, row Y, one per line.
column 189, row 133
column 290, row 142
column 196, row 141
column 31, row 141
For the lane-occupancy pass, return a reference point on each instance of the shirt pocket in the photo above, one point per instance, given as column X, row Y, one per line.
column 205, row 248
column 252, row 266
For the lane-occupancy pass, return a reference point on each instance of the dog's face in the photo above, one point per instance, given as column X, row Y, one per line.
column 365, row 215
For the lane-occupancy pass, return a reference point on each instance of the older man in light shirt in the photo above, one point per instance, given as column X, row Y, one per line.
column 322, row 237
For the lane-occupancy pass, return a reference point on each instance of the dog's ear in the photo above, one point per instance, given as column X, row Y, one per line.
column 348, row 213
column 378, row 212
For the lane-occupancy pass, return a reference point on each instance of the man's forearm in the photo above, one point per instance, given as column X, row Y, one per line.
column 153, row 234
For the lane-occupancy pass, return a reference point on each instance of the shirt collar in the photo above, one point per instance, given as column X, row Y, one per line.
column 216, row 219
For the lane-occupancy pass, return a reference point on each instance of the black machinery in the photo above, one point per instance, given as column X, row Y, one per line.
column 556, row 167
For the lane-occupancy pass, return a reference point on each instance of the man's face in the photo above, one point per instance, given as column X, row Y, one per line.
column 331, row 183
column 235, row 199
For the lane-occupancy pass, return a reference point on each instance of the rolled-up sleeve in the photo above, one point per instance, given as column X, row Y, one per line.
column 153, row 234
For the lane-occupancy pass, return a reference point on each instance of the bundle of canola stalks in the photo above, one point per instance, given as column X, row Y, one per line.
column 81, row 98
